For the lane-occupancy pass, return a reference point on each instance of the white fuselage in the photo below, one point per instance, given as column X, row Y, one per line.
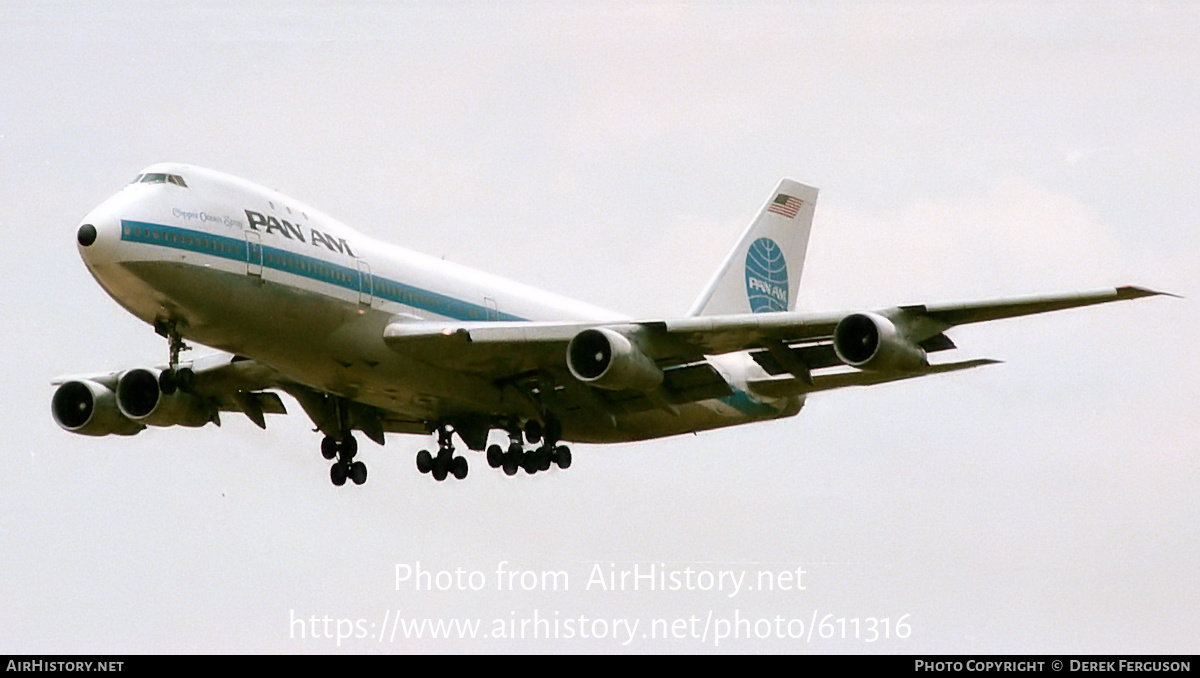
column 246, row 270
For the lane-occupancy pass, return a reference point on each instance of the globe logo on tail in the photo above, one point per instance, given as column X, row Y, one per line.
column 766, row 277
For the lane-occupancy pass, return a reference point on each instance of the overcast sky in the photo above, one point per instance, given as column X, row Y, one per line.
column 613, row 152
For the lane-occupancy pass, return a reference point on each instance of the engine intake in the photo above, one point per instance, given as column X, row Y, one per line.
column 141, row 399
column 90, row 408
column 607, row 359
column 871, row 342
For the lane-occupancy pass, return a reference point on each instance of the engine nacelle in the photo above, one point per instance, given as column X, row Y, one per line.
column 140, row 398
column 871, row 342
column 607, row 359
column 90, row 408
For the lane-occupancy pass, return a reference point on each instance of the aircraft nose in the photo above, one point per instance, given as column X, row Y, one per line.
column 98, row 236
column 86, row 235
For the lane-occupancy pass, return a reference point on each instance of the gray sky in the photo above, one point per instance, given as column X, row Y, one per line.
column 613, row 152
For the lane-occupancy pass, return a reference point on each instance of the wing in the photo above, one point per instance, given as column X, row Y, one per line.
column 665, row 361
column 215, row 383
column 921, row 323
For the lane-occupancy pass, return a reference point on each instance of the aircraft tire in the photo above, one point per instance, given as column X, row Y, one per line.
column 562, row 456
column 185, row 379
column 533, row 431
column 337, row 473
column 495, row 456
column 424, row 461
column 329, row 447
column 530, row 463
column 358, row 472
column 459, row 467
column 511, row 463
column 167, row 383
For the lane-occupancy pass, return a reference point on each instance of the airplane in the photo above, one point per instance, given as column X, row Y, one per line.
column 373, row 338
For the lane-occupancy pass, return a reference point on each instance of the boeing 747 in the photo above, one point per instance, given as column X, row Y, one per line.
column 373, row 338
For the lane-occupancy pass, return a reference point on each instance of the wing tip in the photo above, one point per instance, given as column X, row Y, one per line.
column 939, row 368
column 1135, row 292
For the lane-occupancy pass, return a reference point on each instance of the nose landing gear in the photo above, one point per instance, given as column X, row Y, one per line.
column 174, row 377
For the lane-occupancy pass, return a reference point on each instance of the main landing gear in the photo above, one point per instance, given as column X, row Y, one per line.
column 445, row 463
column 345, row 467
column 518, row 456
column 534, row 459
column 332, row 416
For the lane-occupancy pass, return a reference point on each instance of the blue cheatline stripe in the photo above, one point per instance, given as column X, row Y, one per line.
column 313, row 268
column 744, row 403
column 235, row 249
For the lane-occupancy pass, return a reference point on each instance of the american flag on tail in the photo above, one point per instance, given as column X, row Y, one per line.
column 786, row 205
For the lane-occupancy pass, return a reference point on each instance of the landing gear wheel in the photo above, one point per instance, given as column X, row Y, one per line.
column 424, row 461
column 562, row 456
column 495, row 456
column 185, row 379
column 329, row 447
column 349, row 446
column 358, row 473
column 166, row 382
column 533, row 431
column 441, row 465
column 543, row 457
column 459, row 467
column 530, row 463
column 512, row 461
column 338, row 474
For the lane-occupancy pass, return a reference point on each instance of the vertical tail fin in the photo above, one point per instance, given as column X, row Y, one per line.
column 762, row 273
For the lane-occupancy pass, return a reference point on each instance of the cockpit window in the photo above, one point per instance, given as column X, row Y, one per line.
column 156, row 178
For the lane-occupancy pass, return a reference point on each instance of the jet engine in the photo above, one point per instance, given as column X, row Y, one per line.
column 607, row 359
column 90, row 408
column 141, row 399
column 871, row 342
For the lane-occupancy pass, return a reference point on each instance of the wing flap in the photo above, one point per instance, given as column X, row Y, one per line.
column 789, row 386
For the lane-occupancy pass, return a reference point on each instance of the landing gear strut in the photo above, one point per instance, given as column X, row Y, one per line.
column 445, row 463
column 174, row 377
